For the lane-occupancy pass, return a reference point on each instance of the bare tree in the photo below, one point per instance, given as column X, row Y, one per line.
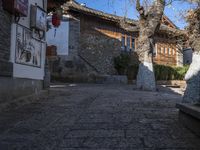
column 149, row 24
column 150, row 15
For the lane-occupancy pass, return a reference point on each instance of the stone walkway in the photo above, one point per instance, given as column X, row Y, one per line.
column 97, row 117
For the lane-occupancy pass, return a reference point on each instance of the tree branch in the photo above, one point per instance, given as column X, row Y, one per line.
column 138, row 5
column 140, row 9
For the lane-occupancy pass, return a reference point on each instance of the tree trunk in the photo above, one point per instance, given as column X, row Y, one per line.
column 145, row 76
column 192, row 77
column 149, row 24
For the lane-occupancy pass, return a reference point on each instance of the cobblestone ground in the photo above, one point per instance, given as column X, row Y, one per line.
column 97, row 117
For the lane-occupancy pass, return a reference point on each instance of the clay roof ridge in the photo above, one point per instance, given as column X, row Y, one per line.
column 169, row 20
column 73, row 5
column 171, row 30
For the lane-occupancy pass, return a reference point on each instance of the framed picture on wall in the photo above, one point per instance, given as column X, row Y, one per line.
column 28, row 50
column 38, row 18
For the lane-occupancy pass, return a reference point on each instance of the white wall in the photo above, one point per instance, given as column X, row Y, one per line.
column 23, row 70
column 59, row 37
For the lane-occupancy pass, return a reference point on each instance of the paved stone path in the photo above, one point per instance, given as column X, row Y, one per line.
column 97, row 117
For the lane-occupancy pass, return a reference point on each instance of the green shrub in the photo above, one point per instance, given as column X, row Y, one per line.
column 125, row 64
column 132, row 71
column 170, row 73
column 121, row 63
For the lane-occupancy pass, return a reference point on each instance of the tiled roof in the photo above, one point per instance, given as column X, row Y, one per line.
column 72, row 5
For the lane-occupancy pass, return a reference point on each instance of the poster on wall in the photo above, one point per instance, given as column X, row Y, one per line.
column 28, row 49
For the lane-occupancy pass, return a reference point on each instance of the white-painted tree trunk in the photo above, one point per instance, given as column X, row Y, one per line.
column 192, row 77
column 149, row 24
column 145, row 77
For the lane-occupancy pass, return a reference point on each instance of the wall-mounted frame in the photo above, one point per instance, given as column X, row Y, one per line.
column 28, row 50
column 16, row 7
column 38, row 18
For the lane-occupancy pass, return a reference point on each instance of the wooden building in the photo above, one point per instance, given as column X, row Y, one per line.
column 167, row 50
column 101, row 36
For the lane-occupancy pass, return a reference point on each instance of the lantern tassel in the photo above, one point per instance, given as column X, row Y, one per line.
column 55, row 32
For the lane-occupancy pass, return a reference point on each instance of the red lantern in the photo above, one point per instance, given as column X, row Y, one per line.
column 56, row 20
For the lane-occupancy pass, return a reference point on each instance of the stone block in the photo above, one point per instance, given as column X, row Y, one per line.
column 190, row 109
column 116, row 79
column 12, row 89
column 189, row 115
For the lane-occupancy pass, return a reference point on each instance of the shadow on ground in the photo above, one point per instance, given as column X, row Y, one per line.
column 94, row 117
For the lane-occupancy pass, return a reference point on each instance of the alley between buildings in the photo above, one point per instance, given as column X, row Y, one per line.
column 96, row 117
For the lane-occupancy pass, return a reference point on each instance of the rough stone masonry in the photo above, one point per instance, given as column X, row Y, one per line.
column 5, row 37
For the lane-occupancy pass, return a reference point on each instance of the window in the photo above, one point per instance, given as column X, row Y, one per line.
column 133, row 44
column 169, row 51
column 128, row 44
column 123, row 43
column 173, row 51
column 163, row 51
column 166, row 50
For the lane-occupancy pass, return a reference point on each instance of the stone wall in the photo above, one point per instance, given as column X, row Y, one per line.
column 71, row 67
column 11, row 88
column 74, row 34
column 17, row 88
column 100, row 42
column 5, row 37
column 93, row 44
